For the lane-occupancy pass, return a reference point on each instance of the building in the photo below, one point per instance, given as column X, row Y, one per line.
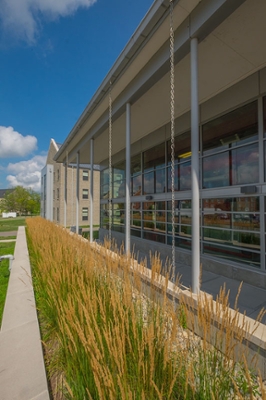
column 201, row 97
column 59, row 202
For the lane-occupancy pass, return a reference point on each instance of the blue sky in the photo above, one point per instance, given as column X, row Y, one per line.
column 54, row 54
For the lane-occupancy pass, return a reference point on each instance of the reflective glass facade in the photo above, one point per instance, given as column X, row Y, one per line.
column 230, row 223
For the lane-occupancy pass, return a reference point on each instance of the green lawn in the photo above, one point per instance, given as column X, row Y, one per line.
column 5, row 248
column 11, row 224
column 86, row 235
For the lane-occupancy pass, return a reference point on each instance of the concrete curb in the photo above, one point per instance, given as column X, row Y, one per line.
column 22, row 370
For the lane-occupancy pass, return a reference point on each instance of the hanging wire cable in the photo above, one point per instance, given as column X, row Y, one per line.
column 172, row 118
column 110, row 162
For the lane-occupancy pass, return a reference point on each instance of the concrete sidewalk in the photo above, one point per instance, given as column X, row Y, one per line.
column 22, row 371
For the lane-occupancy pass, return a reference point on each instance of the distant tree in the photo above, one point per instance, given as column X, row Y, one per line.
column 8, row 203
column 22, row 201
column 34, row 205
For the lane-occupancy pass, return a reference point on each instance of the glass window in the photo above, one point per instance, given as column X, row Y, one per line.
column 119, row 180
column 182, row 172
column 104, row 213
column 148, row 183
column 154, row 158
column 185, row 175
column 237, row 127
column 236, row 254
column 154, row 216
column 136, row 164
column 105, row 184
column 265, row 160
column 156, row 237
column 264, row 124
column 176, row 212
column 149, row 215
column 85, row 213
column 185, row 211
column 119, row 214
column 245, row 164
column 85, row 175
column 105, row 192
column 182, row 148
column 229, row 156
column 135, row 219
column 231, row 228
column 154, row 170
column 169, row 178
column 85, row 193
column 264, row 115
column 182, row 227
column 136, row 185
column 216, row 170
column 160, row 181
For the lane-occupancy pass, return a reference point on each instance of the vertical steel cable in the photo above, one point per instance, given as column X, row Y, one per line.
column 172, row 110
column 110, row 162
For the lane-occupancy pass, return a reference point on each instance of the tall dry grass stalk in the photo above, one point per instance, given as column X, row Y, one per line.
column 110, row 336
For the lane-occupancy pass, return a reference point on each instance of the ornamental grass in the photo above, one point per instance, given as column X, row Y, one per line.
column 107, row 335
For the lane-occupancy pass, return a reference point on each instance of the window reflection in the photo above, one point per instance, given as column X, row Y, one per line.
column 136, row 164
column 182, row 169
column 136, row 185
column 148, row 182
column 233, row 223
column 185, row 176
column 216, row 170
column 230, row 156
column 136, row 219
column 231, row 129
column 154, row 158
column 233, row 253
column 238, row 164
column 154, row 216
column 160, row 181
column 105, row 191
column 104, row 184
column 119, row 180
column 169, row 178
column 245, row 165
column 264, row 115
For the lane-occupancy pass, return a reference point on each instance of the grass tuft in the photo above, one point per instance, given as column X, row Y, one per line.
column 110, row 336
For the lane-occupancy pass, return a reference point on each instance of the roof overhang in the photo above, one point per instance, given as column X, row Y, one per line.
column 223, row 28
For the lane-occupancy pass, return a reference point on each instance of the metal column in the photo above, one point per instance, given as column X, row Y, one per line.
column 65, row 197
column 77, row 196
column 195, row 167
column 91, row 188
column 128, row 176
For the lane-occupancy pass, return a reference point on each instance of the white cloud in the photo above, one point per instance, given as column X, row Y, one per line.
column 22, row 17
column 27, row 173
column 13, row 144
